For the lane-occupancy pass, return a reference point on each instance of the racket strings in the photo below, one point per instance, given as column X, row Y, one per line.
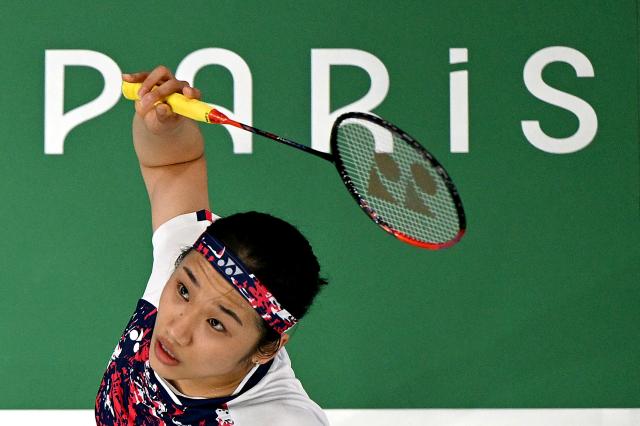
column 397, row 181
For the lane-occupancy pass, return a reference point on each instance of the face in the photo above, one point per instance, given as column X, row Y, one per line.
column 205, row 333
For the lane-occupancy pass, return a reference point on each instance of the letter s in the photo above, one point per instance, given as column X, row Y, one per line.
column 587, row 119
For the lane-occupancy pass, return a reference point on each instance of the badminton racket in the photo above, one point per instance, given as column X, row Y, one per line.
column 394, row 179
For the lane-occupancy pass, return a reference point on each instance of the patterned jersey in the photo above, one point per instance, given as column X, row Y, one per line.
column 131, row 393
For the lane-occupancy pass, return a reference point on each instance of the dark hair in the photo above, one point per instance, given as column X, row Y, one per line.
column 279, row 256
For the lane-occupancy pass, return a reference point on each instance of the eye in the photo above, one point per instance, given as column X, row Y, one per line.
column 215, row 324
column 183, row 292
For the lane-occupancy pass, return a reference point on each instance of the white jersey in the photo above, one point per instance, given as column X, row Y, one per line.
column 131, row 392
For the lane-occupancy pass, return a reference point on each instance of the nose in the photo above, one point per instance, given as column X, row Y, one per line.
column 181, row 327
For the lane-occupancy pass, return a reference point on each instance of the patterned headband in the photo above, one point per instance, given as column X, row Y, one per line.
column 249, row 287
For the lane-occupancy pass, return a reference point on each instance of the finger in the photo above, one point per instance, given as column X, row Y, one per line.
column 158, row 75
column 135, row 77
column 191, row 92
column 168, row 87
column 162, row 91
column 164, row 112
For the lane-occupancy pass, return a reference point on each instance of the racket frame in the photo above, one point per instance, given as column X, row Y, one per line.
column 362, row 202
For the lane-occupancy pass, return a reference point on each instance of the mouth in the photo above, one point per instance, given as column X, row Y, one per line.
column 164, row 354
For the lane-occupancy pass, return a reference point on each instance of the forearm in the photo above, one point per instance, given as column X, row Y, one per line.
column 182, row 144
column 170, row 148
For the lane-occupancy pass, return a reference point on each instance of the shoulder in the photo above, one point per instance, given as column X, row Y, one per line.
column 182, row 229
column 169, row 240
column 278, row 399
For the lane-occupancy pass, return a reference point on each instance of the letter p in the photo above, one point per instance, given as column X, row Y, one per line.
column 57, row 123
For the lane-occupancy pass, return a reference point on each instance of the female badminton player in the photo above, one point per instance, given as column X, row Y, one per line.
column 205, row 345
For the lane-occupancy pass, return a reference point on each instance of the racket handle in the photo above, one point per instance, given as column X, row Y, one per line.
column 180, row 104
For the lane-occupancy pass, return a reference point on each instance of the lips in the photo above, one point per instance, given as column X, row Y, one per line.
column 164, row 353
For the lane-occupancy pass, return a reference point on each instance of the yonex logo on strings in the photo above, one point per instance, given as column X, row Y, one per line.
column 58, row 123
column 385, row 176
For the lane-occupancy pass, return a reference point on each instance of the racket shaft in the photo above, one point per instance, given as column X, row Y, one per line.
column 201, row 111
column 288, row 142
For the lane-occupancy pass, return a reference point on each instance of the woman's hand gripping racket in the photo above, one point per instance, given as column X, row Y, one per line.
column 395, row 181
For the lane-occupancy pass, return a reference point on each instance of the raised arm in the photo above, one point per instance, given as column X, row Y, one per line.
column 169, row 147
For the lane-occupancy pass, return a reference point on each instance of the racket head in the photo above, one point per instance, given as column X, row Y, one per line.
column 397, row 182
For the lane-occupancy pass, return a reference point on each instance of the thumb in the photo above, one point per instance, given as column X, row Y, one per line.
column 163, row 112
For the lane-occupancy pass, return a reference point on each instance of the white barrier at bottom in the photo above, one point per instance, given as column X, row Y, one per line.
column 396, row 417
column 486, row 417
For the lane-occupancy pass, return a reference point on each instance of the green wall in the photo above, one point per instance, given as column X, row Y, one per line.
column 537, row 306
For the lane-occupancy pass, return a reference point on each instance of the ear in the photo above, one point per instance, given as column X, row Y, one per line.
column 263, row 359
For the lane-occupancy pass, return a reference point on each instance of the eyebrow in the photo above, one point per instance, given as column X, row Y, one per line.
column 222, row 308
column 191, row 275
column 231, row 314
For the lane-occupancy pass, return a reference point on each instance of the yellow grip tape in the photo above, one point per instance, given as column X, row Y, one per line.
column 180, row 104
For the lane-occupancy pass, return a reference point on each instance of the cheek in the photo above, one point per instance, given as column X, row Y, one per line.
column 222, row 354
column 165, row 295
column 166, row 309
column 168, row 299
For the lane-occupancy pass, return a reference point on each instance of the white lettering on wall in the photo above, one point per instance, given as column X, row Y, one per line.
column 321, row 117
column 588, row 121
column 459, row 102
column 57, row 123
column 242, row 89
